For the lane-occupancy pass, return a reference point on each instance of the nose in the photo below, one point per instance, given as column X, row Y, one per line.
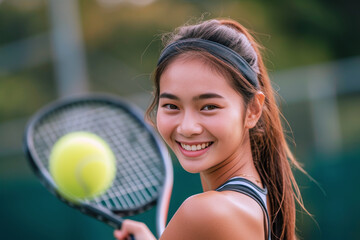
column 189, row 125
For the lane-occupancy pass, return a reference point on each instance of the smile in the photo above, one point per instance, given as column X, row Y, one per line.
column 195, row 147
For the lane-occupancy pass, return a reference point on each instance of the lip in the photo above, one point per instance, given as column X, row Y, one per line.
column 193, row 154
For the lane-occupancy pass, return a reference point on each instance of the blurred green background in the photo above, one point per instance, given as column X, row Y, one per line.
column 51, row 49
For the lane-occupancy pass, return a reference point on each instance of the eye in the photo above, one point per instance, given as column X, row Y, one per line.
column 210, row 107
column 170, row 106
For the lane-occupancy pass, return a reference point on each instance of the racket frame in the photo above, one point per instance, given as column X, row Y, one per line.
column 102, row 213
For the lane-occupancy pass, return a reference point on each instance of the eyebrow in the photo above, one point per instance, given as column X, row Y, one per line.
column 168, row 95
column 207, row 96
column 196, row 98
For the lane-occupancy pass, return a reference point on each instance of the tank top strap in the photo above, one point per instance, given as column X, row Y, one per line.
column 244, row 186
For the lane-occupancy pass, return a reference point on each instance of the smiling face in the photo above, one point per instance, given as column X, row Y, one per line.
column 200, row 116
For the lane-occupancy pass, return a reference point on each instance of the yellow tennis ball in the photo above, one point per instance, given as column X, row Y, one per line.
column 82, row 165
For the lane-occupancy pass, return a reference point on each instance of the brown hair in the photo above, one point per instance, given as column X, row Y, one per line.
column 271, row 154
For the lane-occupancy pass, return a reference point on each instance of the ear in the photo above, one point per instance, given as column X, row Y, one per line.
column 254, row 110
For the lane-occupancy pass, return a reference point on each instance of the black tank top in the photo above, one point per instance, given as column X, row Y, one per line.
column 242, row 185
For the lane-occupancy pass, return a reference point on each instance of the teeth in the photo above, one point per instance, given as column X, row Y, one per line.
column 194, row 147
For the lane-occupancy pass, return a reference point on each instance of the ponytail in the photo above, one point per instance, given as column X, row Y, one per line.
column 272, row 156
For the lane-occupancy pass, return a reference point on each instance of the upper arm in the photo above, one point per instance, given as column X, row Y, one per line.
column 211, row 216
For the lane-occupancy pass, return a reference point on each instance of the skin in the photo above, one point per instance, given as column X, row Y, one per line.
column 199, row 109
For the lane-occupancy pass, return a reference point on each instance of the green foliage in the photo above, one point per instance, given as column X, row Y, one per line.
column 23, row 93
column 294, row 33
column 18, row 22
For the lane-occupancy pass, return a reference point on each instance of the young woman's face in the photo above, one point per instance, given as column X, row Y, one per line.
column 200, row 116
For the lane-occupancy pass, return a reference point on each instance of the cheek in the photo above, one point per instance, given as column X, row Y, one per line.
column 227, row 126
column 163, row 126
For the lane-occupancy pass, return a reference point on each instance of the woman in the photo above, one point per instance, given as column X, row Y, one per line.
column 215, row 108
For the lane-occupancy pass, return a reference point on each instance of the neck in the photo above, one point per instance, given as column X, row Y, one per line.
column 241, row 164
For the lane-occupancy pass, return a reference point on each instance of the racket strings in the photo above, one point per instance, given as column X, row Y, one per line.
column 136, row 148
column 140, row 169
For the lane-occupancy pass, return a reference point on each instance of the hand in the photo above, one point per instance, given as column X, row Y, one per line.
column 137, row 229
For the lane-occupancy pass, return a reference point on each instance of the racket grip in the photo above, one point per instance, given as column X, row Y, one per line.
column 132, row 237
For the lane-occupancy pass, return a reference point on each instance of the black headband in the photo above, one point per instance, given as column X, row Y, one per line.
column 218, row 50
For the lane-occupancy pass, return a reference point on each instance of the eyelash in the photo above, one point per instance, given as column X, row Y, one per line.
column 212, row 107
column 170, row 106
column 209, row 107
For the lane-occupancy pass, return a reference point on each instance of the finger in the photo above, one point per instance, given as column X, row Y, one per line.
column 132, row 227
column 137, row 229
column 120, row 234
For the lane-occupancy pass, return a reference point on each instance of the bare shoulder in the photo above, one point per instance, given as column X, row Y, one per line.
column 217, row 215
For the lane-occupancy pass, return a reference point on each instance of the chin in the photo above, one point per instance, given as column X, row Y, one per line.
column 190, row 167
column 189, row 170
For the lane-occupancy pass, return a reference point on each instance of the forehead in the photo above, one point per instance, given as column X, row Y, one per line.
column 193, row 75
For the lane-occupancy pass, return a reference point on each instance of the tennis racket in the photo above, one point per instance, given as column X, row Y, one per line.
column 144, row 176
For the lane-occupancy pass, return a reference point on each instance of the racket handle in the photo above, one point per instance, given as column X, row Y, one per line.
column 132, row 237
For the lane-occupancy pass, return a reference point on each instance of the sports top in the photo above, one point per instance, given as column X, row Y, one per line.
column 242, row 185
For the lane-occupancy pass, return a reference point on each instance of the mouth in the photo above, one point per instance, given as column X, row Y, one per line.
column 195, row 147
